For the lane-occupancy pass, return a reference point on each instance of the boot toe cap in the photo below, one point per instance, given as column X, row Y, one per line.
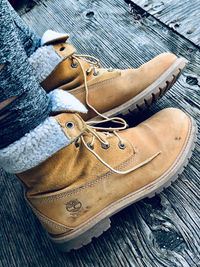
column 158, row 65
column 171, row 127
column 169, row 132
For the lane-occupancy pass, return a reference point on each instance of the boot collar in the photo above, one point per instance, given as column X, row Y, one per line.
column 52, row 37
column 48, row 137
column 58, row 40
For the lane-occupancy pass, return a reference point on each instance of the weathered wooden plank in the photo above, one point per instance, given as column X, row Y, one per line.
column 162, row 231
column 180, row 15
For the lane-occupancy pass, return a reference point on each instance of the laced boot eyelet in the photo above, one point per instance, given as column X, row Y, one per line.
column 74, row 65
column 90, row 146
column 76, row 143
column 95, row 73
column 105, row 146
column 62, row 48
column 121, row 146
column 87, row 72
column 69, row 125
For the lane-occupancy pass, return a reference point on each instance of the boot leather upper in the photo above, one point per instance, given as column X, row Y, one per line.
column 108, row 88
column 75, row 176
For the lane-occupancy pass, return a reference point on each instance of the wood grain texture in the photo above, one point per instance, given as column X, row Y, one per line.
column 162, row 231
column 180, row 15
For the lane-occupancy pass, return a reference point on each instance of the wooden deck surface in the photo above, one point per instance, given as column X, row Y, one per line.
column 180, row 15
column 162, row 231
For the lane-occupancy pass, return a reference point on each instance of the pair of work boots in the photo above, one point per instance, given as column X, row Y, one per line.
column 77, row 174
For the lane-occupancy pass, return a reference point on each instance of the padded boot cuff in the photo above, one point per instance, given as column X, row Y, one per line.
column 43, row 61
column 62, row 100
column 43, row 141
column 50, row 37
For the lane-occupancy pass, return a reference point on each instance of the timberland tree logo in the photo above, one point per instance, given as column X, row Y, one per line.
column 73, row 205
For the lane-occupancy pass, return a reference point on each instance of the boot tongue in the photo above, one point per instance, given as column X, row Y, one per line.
column 64, row 50
column 58, row 40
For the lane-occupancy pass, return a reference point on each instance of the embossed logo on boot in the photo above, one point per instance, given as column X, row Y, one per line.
column 73, row 205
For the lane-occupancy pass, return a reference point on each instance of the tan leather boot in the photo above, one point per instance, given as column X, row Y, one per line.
column 76, row 190
column 111, row 91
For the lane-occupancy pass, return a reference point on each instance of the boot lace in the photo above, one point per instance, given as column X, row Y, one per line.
column 94, row 130
column 95, row 64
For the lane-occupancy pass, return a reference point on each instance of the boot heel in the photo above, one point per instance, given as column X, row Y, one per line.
column 68, row 243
